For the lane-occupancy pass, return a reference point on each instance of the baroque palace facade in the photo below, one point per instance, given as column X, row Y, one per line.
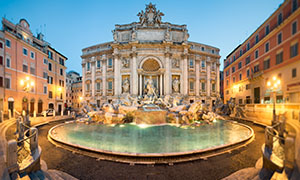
column 271, row 52
column 150, row 51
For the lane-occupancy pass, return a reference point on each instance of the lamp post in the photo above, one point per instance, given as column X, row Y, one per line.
column 27, row 85
column 274, row 86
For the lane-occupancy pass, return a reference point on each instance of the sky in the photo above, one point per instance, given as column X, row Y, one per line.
column 71, row 25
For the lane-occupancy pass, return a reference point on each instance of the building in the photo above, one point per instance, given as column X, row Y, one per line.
column 271, row 51
column 31, row 58
column 70, row 79
column 150, row 51
column 2, row 41
column 76, row 93
column 222, row 85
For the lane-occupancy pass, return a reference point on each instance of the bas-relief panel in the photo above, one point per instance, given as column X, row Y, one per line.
column 150, row 35
column 177, row 36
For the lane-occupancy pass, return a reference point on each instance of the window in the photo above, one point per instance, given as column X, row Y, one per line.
column 267, row 46
column 25, row 68
column 266, row 64
column 61, row 72
column 294, row 5
column 267, row 29
column 61, row 61
column 32, row 55
column 247, row 86
column 241, row 52
column 191, row 63
column 256, row 68
column 294, row 50
column 45, row 89
column 87, row 87
column 7, row 83
column 294, row 73
column 110, row 85
column 45, row 75
column 256, row 54
column 98, row 64
column 227, row 82
column 1, row 60
column 110, row 63
column 45, row 61
column 49, row 66
column 203, row 49
column 240, row 65
column 61, row 83
column 203, row 64
column 279, row 58
column 50, row 80
column 234, row 58
column 248, row 46
column 256, row 39
column 50, row 55
column 88, row 66
column 8, row 62
column 248, row 72
column 233, row 79
column 203, row 86
column 240, row 76
column 98, row 86
column 191, row 85
column 1, row 45
column 247, row 60
column 50, row 95
column 213, row 87
column 25, row 52
column 294, row 27
column 279, row 19
column 1, row 81
column 227, row 72
column 279, row 38
column 7, row 42
column 213, row 51
column 32, row 70
column 233, row 69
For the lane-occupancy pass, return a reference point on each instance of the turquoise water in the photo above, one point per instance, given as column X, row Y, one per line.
column 130, row 138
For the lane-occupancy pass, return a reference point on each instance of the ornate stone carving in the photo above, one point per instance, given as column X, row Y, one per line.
column 175, row 63
column 125, row 63
column 133, row 34
column 151, row 16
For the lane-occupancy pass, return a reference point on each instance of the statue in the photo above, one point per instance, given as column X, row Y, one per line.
column 125, row 63
column 151, row 16
column 115, row 35
column 175, row 85
column 133, row 34
column 150, row 89
column 126, row 85
column 175, row 63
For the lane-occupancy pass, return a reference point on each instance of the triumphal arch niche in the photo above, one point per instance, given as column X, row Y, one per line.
column 150, row 57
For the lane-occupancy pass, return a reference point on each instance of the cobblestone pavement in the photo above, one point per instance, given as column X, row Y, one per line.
column 84, row 167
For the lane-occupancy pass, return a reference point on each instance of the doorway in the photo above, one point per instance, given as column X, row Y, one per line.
column 256, row 95
column 59, row 108
column 11, row 107
column 40, row 106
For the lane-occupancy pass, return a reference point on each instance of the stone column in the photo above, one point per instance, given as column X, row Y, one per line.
column 160, row 84
column 197, row 77
column 104, row 77
column 134, row 68
column 93, row 69
column 167, row 74
column 141, row 88
column 208, row 77
column 83, row 79
column 218, row 78
column 185, row 75
column 117, row 84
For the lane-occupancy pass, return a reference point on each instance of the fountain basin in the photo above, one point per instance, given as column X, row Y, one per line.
column 151, row 140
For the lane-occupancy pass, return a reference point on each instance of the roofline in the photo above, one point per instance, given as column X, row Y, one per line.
column 57, row 52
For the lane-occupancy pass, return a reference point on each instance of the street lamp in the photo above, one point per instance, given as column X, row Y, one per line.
column 274, row 85
column 27, row 85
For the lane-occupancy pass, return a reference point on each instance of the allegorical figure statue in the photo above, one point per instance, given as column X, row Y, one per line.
column 176, row 85
column 126, row 85
column 150, row 89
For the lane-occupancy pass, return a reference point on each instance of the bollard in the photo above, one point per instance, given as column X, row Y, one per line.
column 9, row 114
column 11, row 156
column 269, row 137
column 53, row 113
column 1, row 116
column 34, row 114
column 68, row 113
column 23, row 113
column 61, row 112
column 45, row 114
column 289, row 151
